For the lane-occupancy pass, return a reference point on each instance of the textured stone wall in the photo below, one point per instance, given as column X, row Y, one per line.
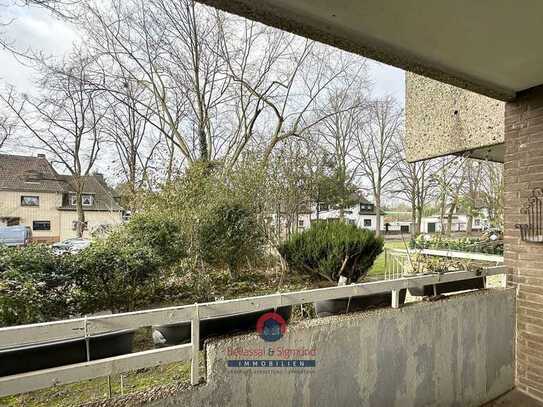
column 442, row 119
column 454, row 352
column 524, row 172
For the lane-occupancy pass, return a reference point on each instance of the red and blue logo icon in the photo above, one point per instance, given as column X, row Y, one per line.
column 271, row 326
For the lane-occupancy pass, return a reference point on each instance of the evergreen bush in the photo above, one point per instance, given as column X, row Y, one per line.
column 34, row 285
column 328, row 250
column 230, row 236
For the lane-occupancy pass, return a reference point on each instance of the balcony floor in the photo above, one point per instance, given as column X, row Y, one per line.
column 514, row 398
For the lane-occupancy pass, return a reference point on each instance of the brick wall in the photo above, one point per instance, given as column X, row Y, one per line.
column 524, row 172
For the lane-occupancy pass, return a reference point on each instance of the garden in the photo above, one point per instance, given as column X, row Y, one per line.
column 201, row 238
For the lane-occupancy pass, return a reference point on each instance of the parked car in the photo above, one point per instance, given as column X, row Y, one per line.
column 71, row 246
column 15, row 235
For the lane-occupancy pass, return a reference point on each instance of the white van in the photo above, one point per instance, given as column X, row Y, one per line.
column 15, row 235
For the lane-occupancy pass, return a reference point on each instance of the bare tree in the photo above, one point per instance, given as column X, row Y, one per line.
column 123, row 37
column 377, row 145
column 64, row 120
column 470, row 200
column 127, row 130
column 280, row 82
column 344, row 110
column 290, row 182
column 219, row 85
column 491, row 192
column 169, row 48
column 7, row 127
column 58, row 7
column 414, row 184
column 449, row 178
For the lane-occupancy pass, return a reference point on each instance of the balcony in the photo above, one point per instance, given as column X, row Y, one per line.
column 410, row 348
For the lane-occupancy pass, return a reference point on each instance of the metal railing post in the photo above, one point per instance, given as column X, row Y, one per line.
column 395, row 298
column 386, row 264
column 87, row 339
column 195, row 341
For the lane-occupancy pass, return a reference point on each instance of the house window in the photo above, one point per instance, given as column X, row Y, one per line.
column 28, row 200
column 86, row 200
column 300, row 223
column 351, row 221
column 41, row 225
column 367, row 223
column 12, row 222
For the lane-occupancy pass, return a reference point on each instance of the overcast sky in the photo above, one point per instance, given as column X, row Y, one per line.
column 34, row 27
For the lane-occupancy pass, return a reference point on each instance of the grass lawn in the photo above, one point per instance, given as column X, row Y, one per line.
column 379, row 265
column 95, row 389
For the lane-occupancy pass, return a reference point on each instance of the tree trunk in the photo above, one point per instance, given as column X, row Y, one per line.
column 378, row 214
column 80, row 214
column 442, row 215
column 449, row 218
column 278, row 227
column 419, row 221
column 469, row 225
column 203, row 143
column 414, row 223
column 169, row 169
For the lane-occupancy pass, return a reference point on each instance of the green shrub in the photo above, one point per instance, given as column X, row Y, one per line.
column 465, row 244
column 229, row 236
column 116, row 275
column 123, row 271
column 35, row 285
column 327, row 249
column 155, row 230
column 217, row 214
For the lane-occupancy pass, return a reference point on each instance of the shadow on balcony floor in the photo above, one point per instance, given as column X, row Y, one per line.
column 514, row 398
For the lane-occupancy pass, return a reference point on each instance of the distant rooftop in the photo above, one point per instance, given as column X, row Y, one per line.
column 36, row 174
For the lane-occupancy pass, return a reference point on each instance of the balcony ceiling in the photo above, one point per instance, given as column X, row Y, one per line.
column 489, row 46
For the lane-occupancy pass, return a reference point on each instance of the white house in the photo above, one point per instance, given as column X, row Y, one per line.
column 400, row 222
column 432, row 224
column 289, row 223
column 362, row 214
column 397, row 222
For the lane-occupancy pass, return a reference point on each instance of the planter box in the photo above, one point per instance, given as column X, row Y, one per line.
column 46, row 355
column 450, row 287
column 175, row 334
column 360, row 303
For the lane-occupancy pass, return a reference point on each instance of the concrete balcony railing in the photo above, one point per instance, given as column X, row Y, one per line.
column 87, row 327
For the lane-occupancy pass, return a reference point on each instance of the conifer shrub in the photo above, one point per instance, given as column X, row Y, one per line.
column 329, row 249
